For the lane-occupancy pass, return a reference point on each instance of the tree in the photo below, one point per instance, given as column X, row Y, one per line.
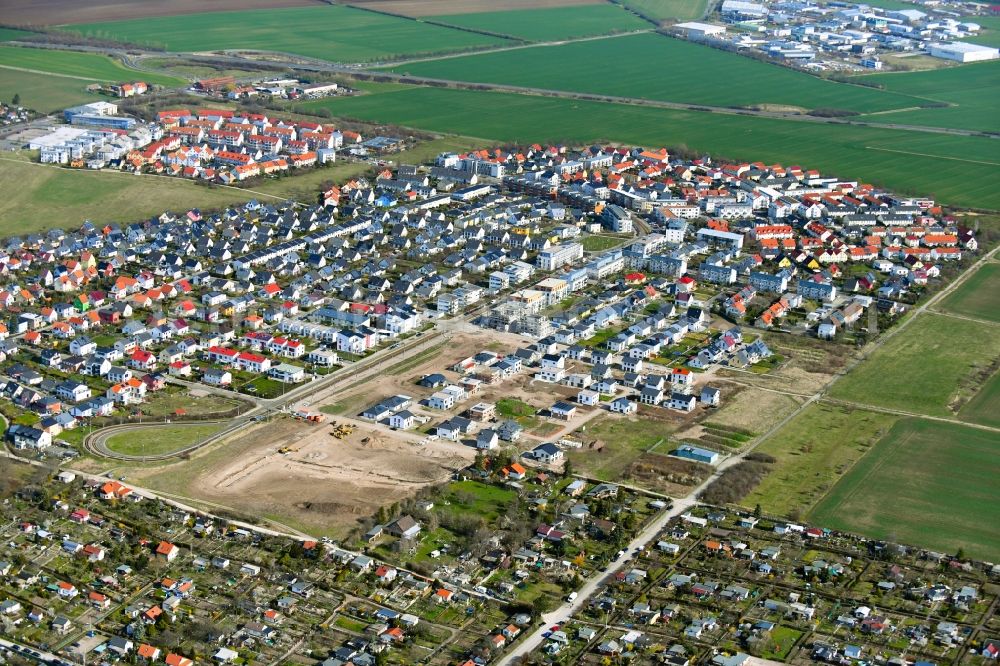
column 541, row 604
column 757, row 511
column 16, row 100
column 960, row 555
column 567, row 469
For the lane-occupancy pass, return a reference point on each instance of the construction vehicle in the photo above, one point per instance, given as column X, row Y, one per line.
column 340, row 431
column 287, row 449
column 306, row 415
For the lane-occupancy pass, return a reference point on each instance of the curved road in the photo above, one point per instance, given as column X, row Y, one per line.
column 95, row 442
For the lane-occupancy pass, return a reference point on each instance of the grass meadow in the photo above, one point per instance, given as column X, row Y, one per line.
column 925, row 483
column 43, row 92
column 812, row 451
column 157, row 440
column 84, row 66
column 42, row 197
column 930, row 164
column 984, row 406
column 662, row 10
column 979, row 296
column 335, row 33
column 654, row 66
column 549, row 23
column 925, row 369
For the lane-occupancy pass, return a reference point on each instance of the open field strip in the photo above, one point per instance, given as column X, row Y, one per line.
column 87, row 66
column 901, row 376
column 984, row 406
column 661, row 10
column 725, row 79
column 548, row 23
column 938, row 157
column 38, row 71
column 979, row 297
column 924, row 483
column 334, row 33
column 972, row 92
column 43, row 92
column 38, row 196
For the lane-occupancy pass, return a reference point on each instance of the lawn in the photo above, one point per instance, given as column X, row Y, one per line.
column 925, row 483
column 41, row 197
column 978, row 296
column 549, row 23
column 926, row 368
column 811, row 452
column 661, row 10
column 601, row 243
column 512, row 408
column 612, row 68
column 621, row 440
column 935, row 165
column 478, row 499
column 972, row 90
column 42, row 92
column 85, row 66
column 334, row 33
column 156, row 440
column 166, row 403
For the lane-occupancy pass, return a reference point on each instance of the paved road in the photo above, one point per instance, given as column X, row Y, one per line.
column 643, row 539
column 315, row 390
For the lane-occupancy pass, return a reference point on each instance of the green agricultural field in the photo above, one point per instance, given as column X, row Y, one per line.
column 84, row 66
column 42, row 92
column 41, row 197
column 812, row 451
column 335, row 33
column 984, row 406
column 9, row 34
column 662, row 10
column 926, row 368
column 654, row 66
column 156, row 440
column 549, row 23
column 979, row 296
column 926, row 483
column 972, row 90
column 930, row 164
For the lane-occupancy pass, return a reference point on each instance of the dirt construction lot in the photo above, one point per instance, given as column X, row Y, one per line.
column 58, row 12
column 322, row 485
column 441, row 7
column 325, row 482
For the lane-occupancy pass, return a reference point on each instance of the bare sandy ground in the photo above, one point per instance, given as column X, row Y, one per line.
column 322, row 482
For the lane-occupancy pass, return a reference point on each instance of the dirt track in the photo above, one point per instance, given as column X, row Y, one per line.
column 57, row 12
